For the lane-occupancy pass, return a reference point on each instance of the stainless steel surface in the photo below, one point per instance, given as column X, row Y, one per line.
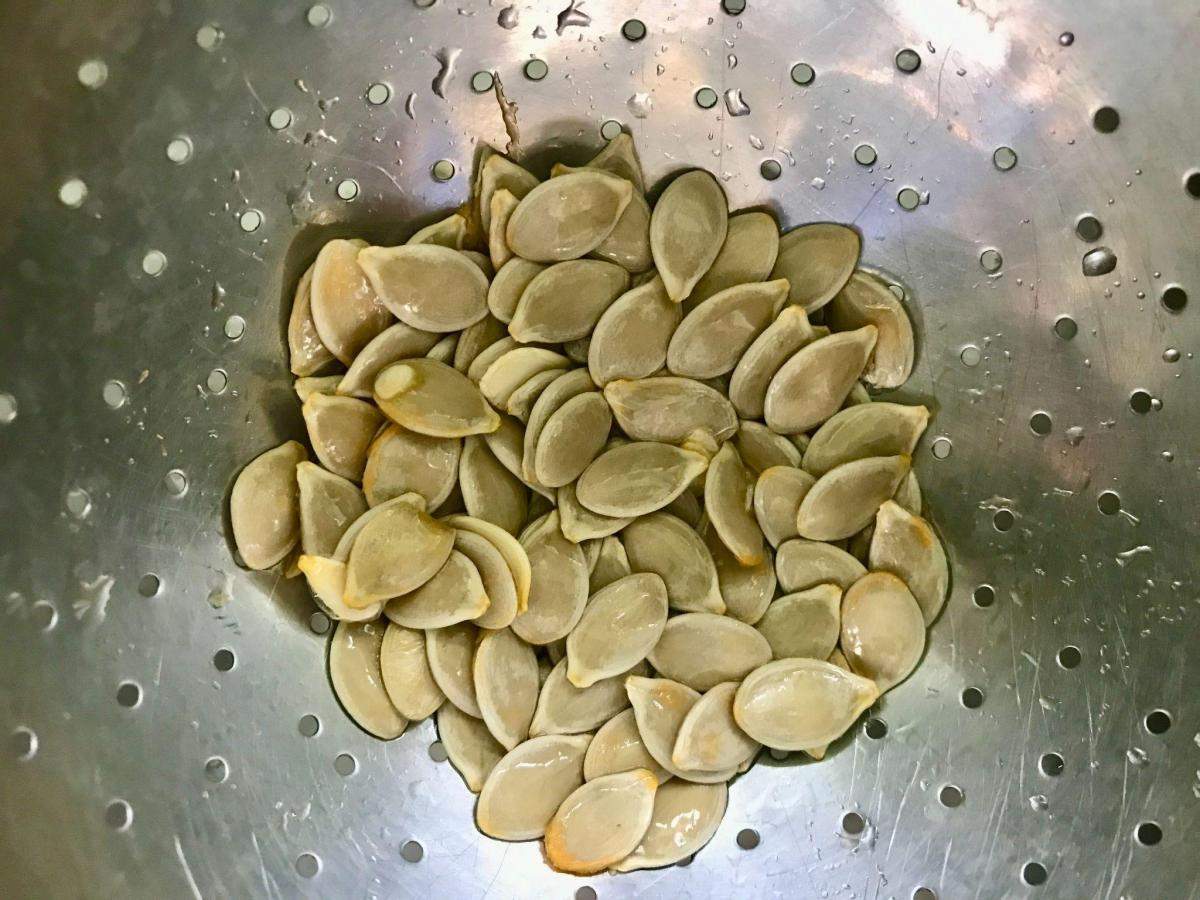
column 79, row 310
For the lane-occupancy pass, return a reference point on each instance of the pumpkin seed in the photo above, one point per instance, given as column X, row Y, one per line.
column 858, row 432
column 770, row 350
column 328, row 504
column 400, row 461
column 443, row 350
column 509, row 547
column 327, row 581
column 496, row 576
column 777, row 496
column 448, row 232
column 712, row 337
column 454, row 594
column 559, row 586
column 702, row 649
column 761, row 448
column 637, row 478
column 601, row 822
column 867, row 300
column 571, row 438
column 618, row 747
column 340, row 430
column 342, row 552
column 358, row 682
column 346, row 310
column 507, row 444
column 845, row 499
column 612, row 563
column 577, row 351
column 817, row 260
column 469, row 745
column 398, row 342
column 451, row 655
column 687, row 229
column 564, row 302
column 837, row 659
column 556, row 651
column 685, row 817
column 791, row 704
column 659, row 707
column 628, row 244
column 264, row 506
column 509, row 284
column 686, row 507
column 481, row 262
column 490, row 492
column 396, row 552
column 488, row 355
column 306, row 352
column 668, row 408
column 476, row 338
column 579, row 523
column 558, row 392
column 506, row 685
column 499, row 173
column 728, row 502
column 527, row 786
column 565, row 709
column 802, row 564
column 309, row 385
column 431, row 398
column 804, row 624
column 709, row 739
column 666, row 546
column 858, row 394
column 746, row 589
column 514, row 368
column 907, row 546
column 520, row 402
column 631, row 336
column 426, row 286
column 619, row 626
column 908, row 495
column 619, row 157
column 406, row 676
column 811, row 385
column 502, row 206
column 747, row 255
column 883, row 630
column 569, row 216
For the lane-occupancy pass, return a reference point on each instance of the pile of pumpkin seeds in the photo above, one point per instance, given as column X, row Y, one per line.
column 601, row 487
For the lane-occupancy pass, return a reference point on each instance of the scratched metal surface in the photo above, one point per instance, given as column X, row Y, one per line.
column 78, row 311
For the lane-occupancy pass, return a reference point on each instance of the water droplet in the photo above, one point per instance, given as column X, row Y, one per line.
column 572, row 16
column 1067, row 38
column 79, row 502
column 736, row 103
column 446, row 58
column 731, row 61
column 508, row 17
column 1170, row 355
column 818, row 183
column 1137, row 757
column 1099, row 261
column 1074, row 435
column 1038, row 802
column 756, row 142
column 218, row 597
column 539, row 32
column 410, row 106
column 639, row 105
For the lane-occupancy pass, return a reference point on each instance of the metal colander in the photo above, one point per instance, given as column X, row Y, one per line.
column 168, row 170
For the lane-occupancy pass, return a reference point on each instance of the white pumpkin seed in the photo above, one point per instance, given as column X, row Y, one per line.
column 350, row 535
column 628, row 244
column 499, row 173
column 340, row 430
column 564, row 302
column 746, row 590
column 659, row 707
column 400, row 341
column 401, row 461
column 817, row 260
column 791, row 704
column 804, row 624
column 327, row 581
column 506, row 685
column 432, row 398
column 357, row 681
column 811, row 385
column 668, row 409
column 568, row 217
column 328, row 504
column 568, row 385
column 777, row 496
column 637, row 478
column 713, row 337
column 324, row 384
column 526, row 787
column 502, row 206
column 612, row 563
column 687, row 229
column 559, row 586
column 443, row 350
column 619, row 626
column 869, row 429
column 631, row 337
column 702, row 649
column 476, row 338
column 747, row 255
column 264, row 506
column 771, row 349
column 514, row 368
column 883, row 630
column 619, row 157
column 495, row 575
column 396, row 552
column 837, row 659
column 451, row 655
column 867, row 300
column 601, row 822
column 845, row 499
column 509, row 284
column 306, row 352
column 572, row 437
column 565, row 709
column 709, row 739
column 469, row 745
column 729, row 502
column 618, row 747
column 761, row 448
column 668, row 547
column 520, row 402
column 346, row 310
column 907, row 546
column 488, row 355
column 508, row 546
column 406, row 676
column 490, row 492
column 454, row 594
column 685, row 817
column 579, row 523
column 802, row 564
column 426, row 286
column 908, row 495
column 448, row 232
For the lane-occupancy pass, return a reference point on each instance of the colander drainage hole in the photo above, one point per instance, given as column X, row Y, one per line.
column 950, row 796
column 587, row 892
column 748, row 839
column 1109, row 503
column 310, row 726
column 129, row 694
column 216, row 769
column 24, row 743
column 149, row 584
column 345, row 765
column 984, row 596
column 118, row 815
column 875, row 728
column 1158, row 721
column 972, row 698
column 1174, row 299
column 224, row 659
column 853, row 824
column 412, row 852
column 1148, row 834
column 1033, row 874
column 308, row 865
column 437, row 752
column 1051, row 764
column 924, row 893
column 1069, row 657
column 1003, row 520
